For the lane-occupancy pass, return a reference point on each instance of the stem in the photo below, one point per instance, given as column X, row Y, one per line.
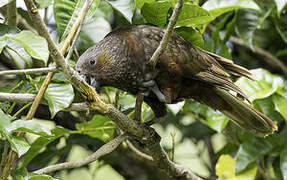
column 163, row 43
column 12, row 14
column 29, row 71
column 138, row 107
column 22, row 109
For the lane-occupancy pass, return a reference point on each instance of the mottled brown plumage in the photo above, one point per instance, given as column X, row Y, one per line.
column 183, row 71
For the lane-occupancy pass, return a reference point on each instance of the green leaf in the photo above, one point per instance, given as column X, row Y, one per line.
column 191, row 35
column 246, row 23
column 280, row 103
column 44, row 3
column 249, row 151
column 280, row 5
column 266, row 84
column 225, row 169
column 175, row 108
column 125, row 7
column 6, row 29
column 41, row 177
column 4, row 2
column 18, row 144
column 100, row 127
column 96, row 30
column 281, row 26
column 67, row 12
column 216, row 120
column 34, row 45
column 140, row 3
column 29, row 126
column 59, row 96
column 193, row 15
column 19, row 49
column 156, row 12
column 218, row 7
column 40, row 143
column 3, row 42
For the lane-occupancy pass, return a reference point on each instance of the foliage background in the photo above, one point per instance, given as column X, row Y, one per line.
column 204, row 140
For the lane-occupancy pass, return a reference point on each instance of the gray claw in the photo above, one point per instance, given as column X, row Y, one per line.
column 150, row 83
column 159, row 94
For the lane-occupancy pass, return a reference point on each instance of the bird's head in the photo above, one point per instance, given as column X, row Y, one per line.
column 93, row 64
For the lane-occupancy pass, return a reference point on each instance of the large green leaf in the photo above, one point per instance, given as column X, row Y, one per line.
column 193, row 15
column 280, row 5
column 280, row 103
column 156, row 12
column 247, row 21
column 18, row 144
column 249, row 151
column 225, row 169
column 218, row 7
column 67, row 12
column 4, row 2
column 40, row 143
column 140, row 3
column 125, row 7
column 266, row 84
column 34, row 45
column 29, row 126
column 3, row 42
column 59, row 96
column 191, row 35
column 19, row 49
column 100, row 127
column 44, row 3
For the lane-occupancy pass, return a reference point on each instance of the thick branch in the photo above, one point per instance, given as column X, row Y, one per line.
column 145, row 134
column 163, row 43
column 105, row 149
column 29, row 71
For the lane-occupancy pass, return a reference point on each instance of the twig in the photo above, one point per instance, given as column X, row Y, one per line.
column 211, row 155
column 268, row 57
column 138, row 107
column 24, row 98
column 22, row 109
column 173, row 145
column 138, row 152
column 22, row 24
column 29, row 71
column 163, row 43
column 12, row 14
column 105, row 149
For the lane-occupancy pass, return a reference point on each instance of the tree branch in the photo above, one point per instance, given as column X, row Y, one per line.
column 105, row 149
column 138, row 106
column 268, row 57
column 29, row 71
column 145, row 134
column 163, row 43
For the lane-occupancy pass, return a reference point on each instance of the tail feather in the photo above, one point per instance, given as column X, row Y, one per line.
column 245, row 115
column 230, row 67
column 232, row 106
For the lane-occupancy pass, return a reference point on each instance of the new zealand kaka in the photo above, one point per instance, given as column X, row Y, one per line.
column 183, row 71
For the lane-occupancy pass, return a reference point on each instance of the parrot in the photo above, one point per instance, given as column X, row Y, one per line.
column 183, row 71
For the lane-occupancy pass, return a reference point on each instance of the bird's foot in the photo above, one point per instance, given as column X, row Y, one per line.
column 152, row 86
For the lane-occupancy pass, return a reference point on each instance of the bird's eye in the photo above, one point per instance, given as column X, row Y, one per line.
column 92, row 62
